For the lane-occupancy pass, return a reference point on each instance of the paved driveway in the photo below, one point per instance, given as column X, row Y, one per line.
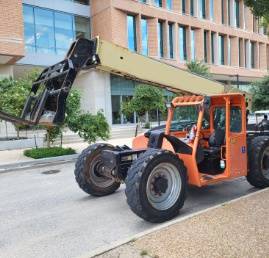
column 47, row 215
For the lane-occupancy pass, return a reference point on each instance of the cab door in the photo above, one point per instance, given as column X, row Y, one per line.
column 237, row 149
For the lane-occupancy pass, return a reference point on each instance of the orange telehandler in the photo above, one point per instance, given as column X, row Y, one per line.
column 205, row 139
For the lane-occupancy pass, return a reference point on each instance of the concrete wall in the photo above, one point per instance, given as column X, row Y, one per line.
column 6, row 71
column 95, row 92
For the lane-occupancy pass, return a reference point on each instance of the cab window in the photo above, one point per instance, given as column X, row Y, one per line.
column 236, row 120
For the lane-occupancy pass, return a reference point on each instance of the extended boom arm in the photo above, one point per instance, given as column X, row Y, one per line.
column 47, row 99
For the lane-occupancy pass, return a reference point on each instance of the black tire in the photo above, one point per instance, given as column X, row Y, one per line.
column 136, row 185
column 256, row 160
column 85, row 172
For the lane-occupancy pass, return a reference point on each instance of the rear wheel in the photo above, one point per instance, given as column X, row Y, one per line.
column 88, row 172
column 258, row 156
column 156, row 185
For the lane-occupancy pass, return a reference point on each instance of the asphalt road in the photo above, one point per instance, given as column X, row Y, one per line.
column 47, row 215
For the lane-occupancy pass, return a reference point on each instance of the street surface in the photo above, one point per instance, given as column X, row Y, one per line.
column 47, row 215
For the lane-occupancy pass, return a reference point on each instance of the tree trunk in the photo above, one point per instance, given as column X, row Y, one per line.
column 147, row 117
column 48, row 138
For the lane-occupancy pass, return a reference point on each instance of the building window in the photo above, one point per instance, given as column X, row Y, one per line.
column 192, row 7
column 202, row 9
column 45, row 42
column 47, row 31
column 229, row 51
column 171, row 40
column 63, row 31
column 144, row 32
column 29, row 28
column 240, row 51
column 221, row 49
column 252, row 54
column 205, row 46
column 237, row 13
column 82, row 27
column 158, row 3
column 183, row 6
column 160, row 38
column 212, row 10
column 212, row 47
column 169, row 4
column 193, row 52
column 132, row 43
column 182, row 43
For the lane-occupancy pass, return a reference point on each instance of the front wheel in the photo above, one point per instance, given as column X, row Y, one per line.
column 156, row 185
column 88, row 172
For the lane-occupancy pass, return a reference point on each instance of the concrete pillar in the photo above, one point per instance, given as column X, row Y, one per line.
column 242, row 60
column 242, row 14
column 207, row 9
column 6, row 71
column 95, row 89
column 255, row 24
column 249, row 19
column 234, row 51
column 199, row 43
column 263, row 56
column 256, row 55
column 208, row 47
column 177, row 5
column 165, row 39
column 217, row 11
column 188, row 42
column 188, row 7
column 225, row 12
column 153, row 36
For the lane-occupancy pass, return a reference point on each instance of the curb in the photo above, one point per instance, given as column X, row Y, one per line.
column 119, row 243
column 37, row 163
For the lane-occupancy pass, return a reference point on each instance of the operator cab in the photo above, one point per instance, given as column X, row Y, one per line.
column 215, row 131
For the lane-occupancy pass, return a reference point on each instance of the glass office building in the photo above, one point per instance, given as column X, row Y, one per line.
column 49, row 31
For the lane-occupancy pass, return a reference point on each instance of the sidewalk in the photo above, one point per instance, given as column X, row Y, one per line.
column 16, row 156
column 236, row 229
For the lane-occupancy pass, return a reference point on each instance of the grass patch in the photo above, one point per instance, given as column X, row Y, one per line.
column 41, row 153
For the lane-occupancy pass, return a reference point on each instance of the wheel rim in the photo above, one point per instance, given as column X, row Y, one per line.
column 265, row 163
column 163, row 186
column 95, row 174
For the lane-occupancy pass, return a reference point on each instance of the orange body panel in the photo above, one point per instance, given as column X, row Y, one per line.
column 234, row 153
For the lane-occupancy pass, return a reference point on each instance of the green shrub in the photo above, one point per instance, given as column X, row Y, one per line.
column 147, row 125
column 48, row 152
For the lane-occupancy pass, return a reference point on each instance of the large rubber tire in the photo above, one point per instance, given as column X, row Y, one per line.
column 256, row 151
column 137, row 179
column 85, row 172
